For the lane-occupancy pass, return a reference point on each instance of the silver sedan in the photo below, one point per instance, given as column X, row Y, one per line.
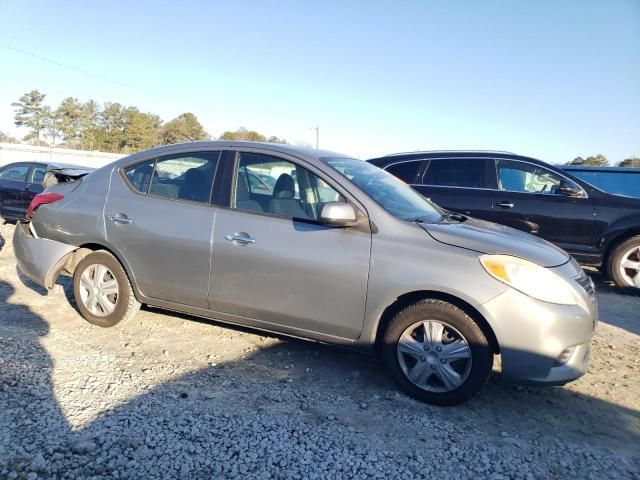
column 317, row 245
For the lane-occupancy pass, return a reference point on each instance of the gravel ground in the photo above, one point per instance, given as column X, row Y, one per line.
column 170, row 396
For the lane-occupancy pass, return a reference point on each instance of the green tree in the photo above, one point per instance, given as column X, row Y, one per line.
column 274, row 139
column 111, row 126
column 184, row 128
column 52, row 125
column 69, row 114
column 243, row 134
column 31, row 113
column 4, row 138
column 141, row 130
column 630, row 162
column 249, row 136
column 594, row 161
column 90, row 133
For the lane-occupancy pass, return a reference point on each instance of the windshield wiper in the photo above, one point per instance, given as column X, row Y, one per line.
column 452, row 216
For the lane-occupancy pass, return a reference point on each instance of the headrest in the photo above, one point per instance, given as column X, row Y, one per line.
column 285, row 187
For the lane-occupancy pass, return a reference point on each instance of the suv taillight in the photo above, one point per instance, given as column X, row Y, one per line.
column 42, row 199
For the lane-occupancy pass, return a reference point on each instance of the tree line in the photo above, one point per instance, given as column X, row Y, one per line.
column 111, row 127
column 601, row 161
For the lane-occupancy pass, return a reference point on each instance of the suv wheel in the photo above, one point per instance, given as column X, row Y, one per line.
column 102, row 290
column 624, row 263
column 437, row 353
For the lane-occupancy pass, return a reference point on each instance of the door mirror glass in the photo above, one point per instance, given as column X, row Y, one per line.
column 569, row 189
column 338, row 214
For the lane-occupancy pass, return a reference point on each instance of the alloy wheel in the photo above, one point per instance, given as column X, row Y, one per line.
column 630, row 267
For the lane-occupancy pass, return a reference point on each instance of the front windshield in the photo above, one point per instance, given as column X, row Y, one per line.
column 392, row 194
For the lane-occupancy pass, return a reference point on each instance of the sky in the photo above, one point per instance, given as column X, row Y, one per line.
column 552, row 79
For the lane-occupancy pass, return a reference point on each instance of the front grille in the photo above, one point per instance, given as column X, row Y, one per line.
column 586, row 283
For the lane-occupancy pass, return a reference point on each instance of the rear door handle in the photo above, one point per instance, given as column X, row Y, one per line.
column 123, row 219
column 240, row 237
column 505, row 204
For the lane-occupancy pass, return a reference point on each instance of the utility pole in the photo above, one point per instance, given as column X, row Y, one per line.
column 317, row 129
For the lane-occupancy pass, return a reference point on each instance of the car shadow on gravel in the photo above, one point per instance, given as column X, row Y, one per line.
column 259, row 412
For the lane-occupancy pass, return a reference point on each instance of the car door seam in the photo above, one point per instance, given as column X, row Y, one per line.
column 211, row 237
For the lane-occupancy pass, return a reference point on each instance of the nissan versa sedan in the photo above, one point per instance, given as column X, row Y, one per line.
column 325, row 247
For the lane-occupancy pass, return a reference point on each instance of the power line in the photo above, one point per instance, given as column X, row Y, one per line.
column 72, row 68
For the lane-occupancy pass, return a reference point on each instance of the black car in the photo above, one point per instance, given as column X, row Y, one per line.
column 617, row 180
column 597, row 228
column 19, row 183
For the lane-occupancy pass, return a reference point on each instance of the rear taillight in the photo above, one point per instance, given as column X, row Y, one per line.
column 42, row 199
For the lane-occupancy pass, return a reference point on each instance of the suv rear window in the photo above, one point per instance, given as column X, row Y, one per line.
column 456, row 172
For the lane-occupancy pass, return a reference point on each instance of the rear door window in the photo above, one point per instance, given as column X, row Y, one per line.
column 184, row 177
column 405, row 171
column 457, row 172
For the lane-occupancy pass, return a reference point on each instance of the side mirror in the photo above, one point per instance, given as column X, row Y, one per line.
column 569, row 189
column 338, row 214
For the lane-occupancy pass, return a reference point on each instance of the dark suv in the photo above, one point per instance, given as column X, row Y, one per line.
column 597, row 228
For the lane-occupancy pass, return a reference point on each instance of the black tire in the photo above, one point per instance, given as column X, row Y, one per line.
column 481, row 355
column 126, row 304
column 615, row 258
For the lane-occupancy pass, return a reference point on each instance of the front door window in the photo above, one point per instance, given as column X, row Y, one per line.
column 266, row 184
column 515, row 176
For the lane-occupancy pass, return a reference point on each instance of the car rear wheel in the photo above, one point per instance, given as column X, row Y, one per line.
column 437, row 353
column 102, row 290
column 624, row 263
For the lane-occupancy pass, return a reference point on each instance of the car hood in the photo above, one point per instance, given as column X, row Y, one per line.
column 487, row 237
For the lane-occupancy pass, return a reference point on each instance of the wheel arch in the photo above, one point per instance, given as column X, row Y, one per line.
column 85, row 249
column 615, row 241
column 410, row 298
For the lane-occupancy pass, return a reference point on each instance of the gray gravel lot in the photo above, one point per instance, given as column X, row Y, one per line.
column 170, row 396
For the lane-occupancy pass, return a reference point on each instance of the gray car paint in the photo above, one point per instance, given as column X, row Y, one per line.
column 328, row 284
column 487, row 237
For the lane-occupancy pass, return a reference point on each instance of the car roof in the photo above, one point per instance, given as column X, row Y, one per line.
column 307, row 152
column 426, row 154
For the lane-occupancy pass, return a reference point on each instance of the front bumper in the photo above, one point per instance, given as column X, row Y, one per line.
column 40, row 259
column 540, row 342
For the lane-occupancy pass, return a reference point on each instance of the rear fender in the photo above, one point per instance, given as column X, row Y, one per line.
column 40, row 259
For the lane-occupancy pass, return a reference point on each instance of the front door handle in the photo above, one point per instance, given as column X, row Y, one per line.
column 121, row 218
column 505, row 204
column 241, row 238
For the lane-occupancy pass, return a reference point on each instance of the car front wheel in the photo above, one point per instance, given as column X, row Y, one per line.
column 437, row 353
column 102, row 290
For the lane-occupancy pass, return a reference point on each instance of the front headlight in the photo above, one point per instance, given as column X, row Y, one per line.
column 529, row 278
